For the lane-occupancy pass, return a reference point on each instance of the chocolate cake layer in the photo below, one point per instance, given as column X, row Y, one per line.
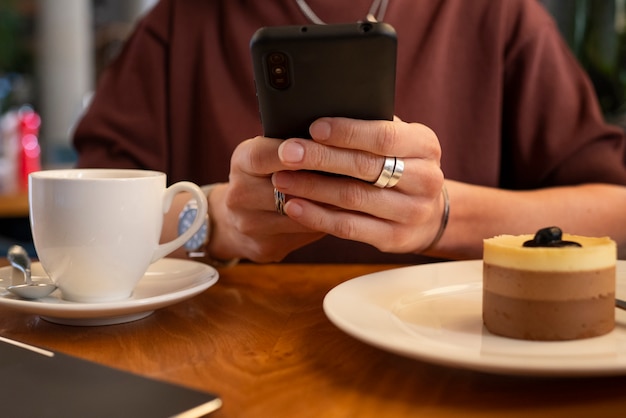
column 548, row 285
column 548, row 320
column 544, row 305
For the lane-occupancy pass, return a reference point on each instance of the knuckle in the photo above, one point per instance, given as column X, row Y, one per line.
column 413, row 213
column 244, row 159
column 432, row 145
column 234, row 200
column 438, row 182
column 368, row 166
column 241, row 225
column 347, row 229
column 319, row 157
column 400, row 243
column 255, row 162
column 351, row 134
column 387, row 138
column 352, row 197
column 435, row 151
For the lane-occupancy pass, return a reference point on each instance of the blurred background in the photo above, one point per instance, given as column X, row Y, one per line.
column 52, row 52
column 596, row 32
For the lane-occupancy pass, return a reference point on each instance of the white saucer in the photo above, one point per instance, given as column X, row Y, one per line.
column 166, row 282
column 433, row 312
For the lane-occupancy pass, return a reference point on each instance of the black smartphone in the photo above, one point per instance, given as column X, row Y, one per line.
column 303, row 73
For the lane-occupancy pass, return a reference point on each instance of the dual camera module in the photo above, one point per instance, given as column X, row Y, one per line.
column 278, row 70
column 277, row 62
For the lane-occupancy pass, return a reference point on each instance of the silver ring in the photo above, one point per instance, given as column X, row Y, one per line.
column 398, row 170
column 279, row 201
column 386, row 173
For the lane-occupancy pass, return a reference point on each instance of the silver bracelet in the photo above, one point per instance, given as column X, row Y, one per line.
column 444, row 219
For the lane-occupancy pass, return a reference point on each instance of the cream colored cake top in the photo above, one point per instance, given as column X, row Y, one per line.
column 509, row 251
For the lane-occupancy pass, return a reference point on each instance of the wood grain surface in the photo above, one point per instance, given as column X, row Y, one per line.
column 14, row 205
column 260, row 339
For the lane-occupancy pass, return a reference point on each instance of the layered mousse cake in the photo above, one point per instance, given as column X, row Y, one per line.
column 550, row 286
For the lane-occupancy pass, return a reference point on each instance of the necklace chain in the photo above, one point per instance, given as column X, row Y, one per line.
column 372, row 15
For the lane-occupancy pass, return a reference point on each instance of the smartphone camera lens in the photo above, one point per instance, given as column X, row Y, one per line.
column 278, row 70
column 277, row 58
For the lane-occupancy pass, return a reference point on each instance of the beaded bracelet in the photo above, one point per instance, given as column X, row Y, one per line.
column 444, row 219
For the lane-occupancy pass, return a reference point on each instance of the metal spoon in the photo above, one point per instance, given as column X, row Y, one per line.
column 18, row 257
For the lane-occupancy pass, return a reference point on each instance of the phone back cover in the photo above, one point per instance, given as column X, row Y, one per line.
column 335, row 70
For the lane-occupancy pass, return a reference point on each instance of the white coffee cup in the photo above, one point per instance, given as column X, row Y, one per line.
column 96, row 231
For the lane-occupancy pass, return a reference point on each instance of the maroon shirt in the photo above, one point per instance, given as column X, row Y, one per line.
column 493, row 78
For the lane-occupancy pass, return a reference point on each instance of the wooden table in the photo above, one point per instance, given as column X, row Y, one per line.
column 14, row 205
column 260, row 339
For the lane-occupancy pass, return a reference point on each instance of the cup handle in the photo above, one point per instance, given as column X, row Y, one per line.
column 183, row 186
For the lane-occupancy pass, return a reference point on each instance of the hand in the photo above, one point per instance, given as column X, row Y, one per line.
column 401, row 219
column 245, row 221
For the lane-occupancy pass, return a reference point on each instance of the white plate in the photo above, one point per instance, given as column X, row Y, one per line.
column 433, row 312
column 166, row 282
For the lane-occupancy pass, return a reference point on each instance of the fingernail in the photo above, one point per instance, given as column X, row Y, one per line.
column 282, row 180
column 320, row 130
column 293, row 209
column 291, row 152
